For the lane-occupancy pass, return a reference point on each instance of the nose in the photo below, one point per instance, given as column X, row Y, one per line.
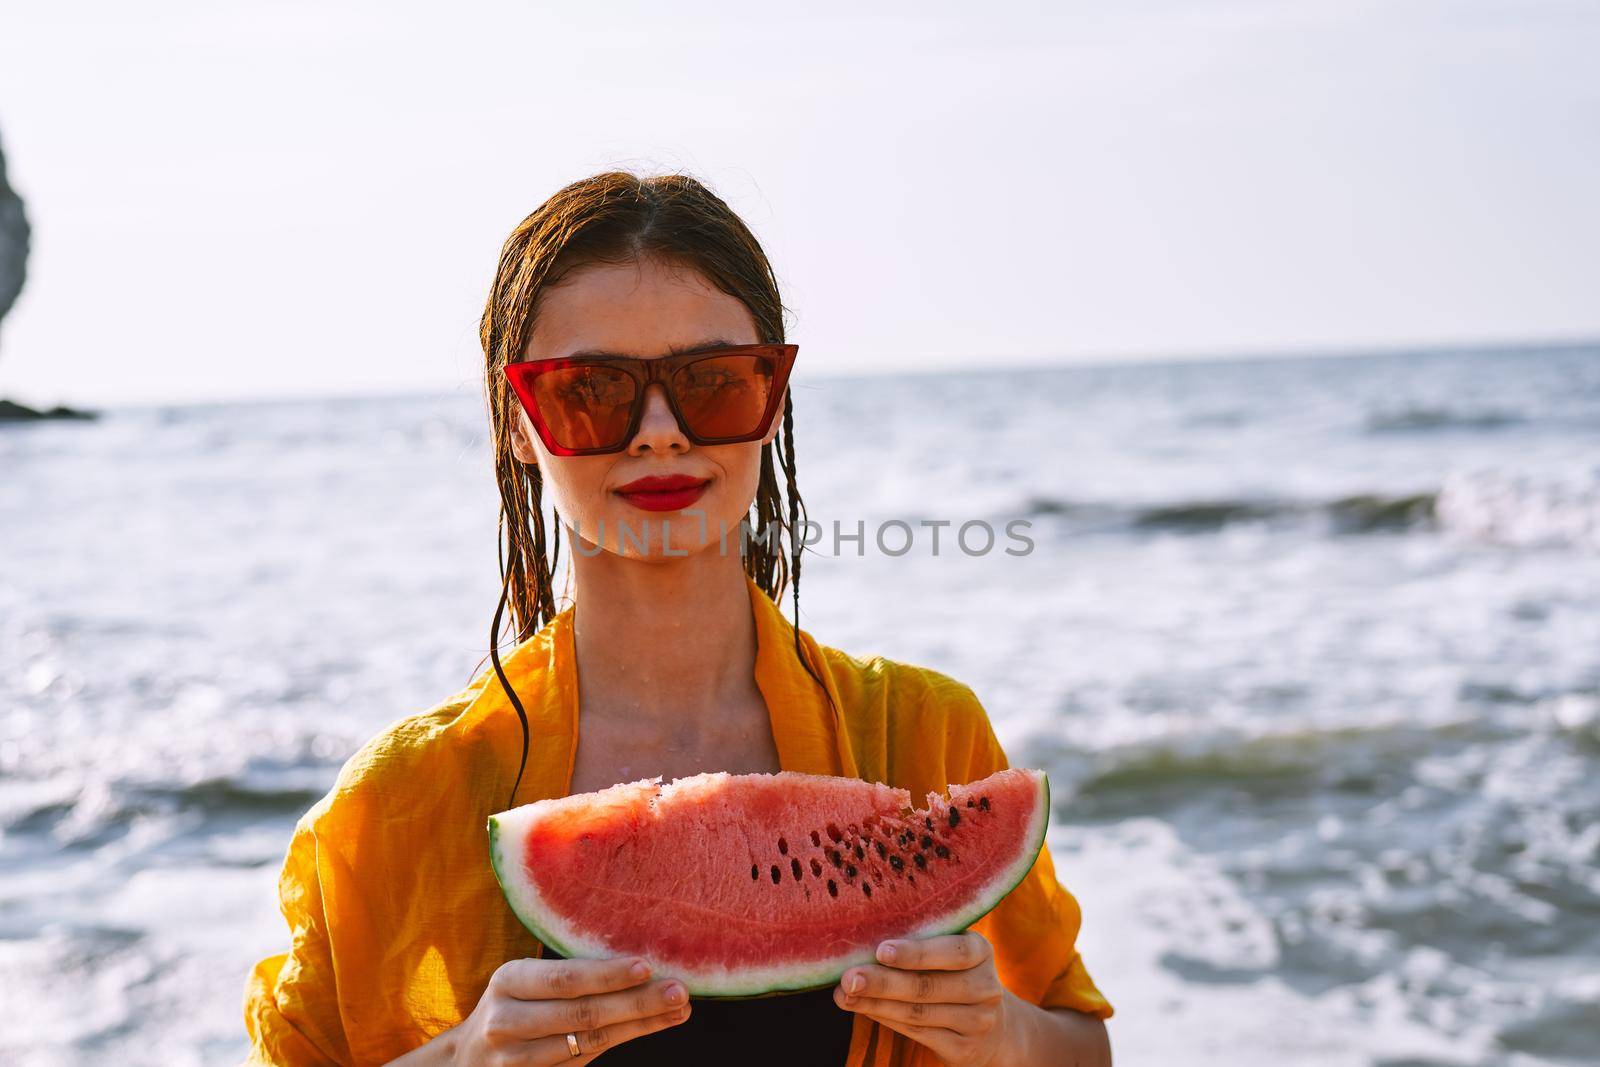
column 658, row 427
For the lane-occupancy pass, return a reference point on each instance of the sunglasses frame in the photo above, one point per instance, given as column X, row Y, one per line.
column 521, row 375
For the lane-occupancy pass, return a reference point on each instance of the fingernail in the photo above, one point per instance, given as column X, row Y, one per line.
column 674, row 994
column 640, row 969
column 887, row 952
column 853, row 984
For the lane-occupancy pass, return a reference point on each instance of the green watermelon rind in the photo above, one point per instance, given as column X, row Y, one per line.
column 534, row 926
column 815, row 974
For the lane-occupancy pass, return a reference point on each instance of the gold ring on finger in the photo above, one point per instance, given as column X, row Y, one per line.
column 572, row 1046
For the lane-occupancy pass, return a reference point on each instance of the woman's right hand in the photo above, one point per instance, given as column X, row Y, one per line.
column 531, row 1005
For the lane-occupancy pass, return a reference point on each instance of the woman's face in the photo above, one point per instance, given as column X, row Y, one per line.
column 648, row 308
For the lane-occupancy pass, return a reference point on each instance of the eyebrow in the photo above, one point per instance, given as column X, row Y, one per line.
column 703, row 346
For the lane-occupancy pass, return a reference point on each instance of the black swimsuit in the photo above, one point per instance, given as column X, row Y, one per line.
column 799, row 1029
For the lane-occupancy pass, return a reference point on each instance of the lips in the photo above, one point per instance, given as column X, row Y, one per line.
column 668, row 492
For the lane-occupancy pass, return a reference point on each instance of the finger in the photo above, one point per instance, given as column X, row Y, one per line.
column 554, row 1050
column 972, row 1019
column 545, row 1017
column 944, row 1043
column 530, row 979
column 945, row 987
column 950, row 952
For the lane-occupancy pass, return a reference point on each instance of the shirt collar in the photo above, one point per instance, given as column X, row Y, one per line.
column 807, row 719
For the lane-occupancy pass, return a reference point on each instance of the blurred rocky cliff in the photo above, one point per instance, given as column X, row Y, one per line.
column 14, row 239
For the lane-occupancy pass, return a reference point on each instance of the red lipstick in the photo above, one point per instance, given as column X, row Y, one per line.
column 669, row 492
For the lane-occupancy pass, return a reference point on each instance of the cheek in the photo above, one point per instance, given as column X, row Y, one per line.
column 742, row 474
column 572, row 486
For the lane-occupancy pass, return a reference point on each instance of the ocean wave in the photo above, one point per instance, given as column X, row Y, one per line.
column 1358, row 513
column 1444, row 864
column 1356, row 757
column 89, row 812
column 1422, row 419
column 1491, row 507
column 1209, row 514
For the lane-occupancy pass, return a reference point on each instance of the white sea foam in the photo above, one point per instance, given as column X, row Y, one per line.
column 1540, row 509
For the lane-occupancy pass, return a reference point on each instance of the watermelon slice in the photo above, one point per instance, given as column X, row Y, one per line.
column 740, row 885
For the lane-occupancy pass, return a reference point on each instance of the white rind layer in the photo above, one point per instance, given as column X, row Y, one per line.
column 508, row 829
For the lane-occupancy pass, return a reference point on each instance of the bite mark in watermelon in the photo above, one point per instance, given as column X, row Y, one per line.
column 740, row 885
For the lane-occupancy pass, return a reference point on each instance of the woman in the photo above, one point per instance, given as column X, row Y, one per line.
column 636, row 372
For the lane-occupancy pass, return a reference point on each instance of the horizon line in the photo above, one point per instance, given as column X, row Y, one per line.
column 1200, row 357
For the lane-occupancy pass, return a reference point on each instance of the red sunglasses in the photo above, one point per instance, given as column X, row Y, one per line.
column 592, row 405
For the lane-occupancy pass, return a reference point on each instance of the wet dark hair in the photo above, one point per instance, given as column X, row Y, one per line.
column 618, row 217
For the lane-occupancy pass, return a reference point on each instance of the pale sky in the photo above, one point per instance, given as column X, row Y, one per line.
column 254, row 199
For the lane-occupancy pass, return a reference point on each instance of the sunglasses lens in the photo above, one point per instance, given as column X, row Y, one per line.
column 585, row 407
column 724, row 396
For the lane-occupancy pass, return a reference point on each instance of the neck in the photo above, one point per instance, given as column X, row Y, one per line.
column 662, row 638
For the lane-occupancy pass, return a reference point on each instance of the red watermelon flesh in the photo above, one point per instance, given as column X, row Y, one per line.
column 746, row 884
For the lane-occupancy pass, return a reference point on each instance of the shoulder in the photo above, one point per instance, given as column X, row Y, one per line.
column 401, row 765
column 919, row 724
column 904, row 690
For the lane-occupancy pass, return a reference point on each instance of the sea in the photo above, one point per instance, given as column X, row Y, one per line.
column 1310, row 649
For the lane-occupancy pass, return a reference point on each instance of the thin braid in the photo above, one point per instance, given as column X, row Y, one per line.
column 520, row 483
column 767, row 568
column 505, row 683
column 797, row 515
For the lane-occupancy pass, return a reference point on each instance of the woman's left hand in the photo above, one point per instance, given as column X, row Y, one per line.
column 941, row 992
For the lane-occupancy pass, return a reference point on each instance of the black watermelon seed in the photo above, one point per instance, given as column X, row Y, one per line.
column 794, row 865
column 942, row 852
column 955, row 818
column 783, row 847
column 833, row 888
column 921, row 861
column 816, row 839
column 882, row 852
column 897, row 863
column 925, row 842
column 755, row 873
column 866, row 887
column 776, row 876
column 859, row 853
column 969, row 802
column 816, row 868
column 834, row 857
column 983, row 802
column 833, row 834
column 849, row 870
column 927, row 820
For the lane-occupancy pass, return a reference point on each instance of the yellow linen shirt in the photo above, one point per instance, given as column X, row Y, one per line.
column 396, row 919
